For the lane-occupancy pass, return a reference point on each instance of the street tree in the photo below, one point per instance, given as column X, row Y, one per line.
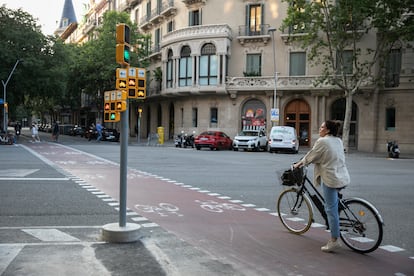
column 334, row 32
column 39, row 80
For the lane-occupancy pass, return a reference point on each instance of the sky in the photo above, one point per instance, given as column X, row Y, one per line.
column 48, row 12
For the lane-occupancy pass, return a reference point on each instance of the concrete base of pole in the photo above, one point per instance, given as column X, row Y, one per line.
column 116, row 234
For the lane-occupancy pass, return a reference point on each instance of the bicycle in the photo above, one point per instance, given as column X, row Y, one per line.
column 361, row 225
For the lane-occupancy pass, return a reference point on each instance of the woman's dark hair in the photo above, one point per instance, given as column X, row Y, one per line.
column 334, row 127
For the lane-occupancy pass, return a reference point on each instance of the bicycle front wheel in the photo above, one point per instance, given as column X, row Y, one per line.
column 295, row 211
column 361, row 226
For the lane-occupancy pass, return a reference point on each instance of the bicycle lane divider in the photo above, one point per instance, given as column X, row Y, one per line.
column 248, row 239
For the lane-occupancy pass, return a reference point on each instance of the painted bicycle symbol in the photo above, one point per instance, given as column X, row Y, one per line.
column 163, row 209
column 216, row 207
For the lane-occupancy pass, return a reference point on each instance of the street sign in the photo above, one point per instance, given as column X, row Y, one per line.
column 274, row 114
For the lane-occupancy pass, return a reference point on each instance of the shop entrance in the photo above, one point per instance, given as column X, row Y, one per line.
column 297, row 115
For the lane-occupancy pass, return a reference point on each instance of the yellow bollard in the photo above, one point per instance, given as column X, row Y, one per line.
column 160, row 132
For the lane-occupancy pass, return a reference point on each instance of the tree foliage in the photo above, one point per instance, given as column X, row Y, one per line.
column 40, row 77
column 330, row 30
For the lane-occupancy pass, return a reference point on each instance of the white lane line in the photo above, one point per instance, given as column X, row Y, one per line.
column 35, row 179
column 50, row 235
column 392, row 248
column 7, row 255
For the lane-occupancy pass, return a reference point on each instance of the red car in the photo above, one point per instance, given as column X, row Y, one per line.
column 214, row 140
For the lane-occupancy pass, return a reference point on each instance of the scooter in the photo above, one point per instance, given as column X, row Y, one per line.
column 393, row 149
column 179, row 140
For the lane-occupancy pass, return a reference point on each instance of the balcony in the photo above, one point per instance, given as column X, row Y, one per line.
column 258, row 34
column 197, row 32
column 89, row 26
column 155, row 53
column 190, row 3
column 264, row 83
column 145, row 23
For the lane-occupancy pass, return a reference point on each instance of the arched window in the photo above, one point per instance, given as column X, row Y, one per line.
column 186, row 65
column 169, row 74
column 208, row 65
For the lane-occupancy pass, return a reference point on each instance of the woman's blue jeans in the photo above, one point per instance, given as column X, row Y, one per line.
column 331, row 208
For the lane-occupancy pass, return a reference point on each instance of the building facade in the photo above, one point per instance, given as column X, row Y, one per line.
column 224, row 65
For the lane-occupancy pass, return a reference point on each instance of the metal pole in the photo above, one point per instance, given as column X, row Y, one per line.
column 4, row 96
column 123, row 166
column 272, row 30
column 139, row 127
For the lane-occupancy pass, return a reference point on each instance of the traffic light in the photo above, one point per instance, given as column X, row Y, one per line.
column 123, row 54
column 132, row 82
column 111, row 113
column 141, row 84
column 121, row 101
column 112, row 117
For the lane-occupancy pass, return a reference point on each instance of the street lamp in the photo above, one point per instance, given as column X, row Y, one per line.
column 275, row 111
column 4, row 96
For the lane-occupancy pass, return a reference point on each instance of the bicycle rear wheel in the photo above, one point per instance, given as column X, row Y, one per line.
column 295, row 211
column 361, row 225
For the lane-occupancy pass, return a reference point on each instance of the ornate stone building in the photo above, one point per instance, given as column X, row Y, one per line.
column 213, row 63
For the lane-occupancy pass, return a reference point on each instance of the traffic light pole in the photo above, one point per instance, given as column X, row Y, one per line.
column 123, row 166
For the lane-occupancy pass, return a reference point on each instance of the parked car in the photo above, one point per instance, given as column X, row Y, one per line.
column 283, row 138
column 77, row 130
column 214, row 140
column 250, row 140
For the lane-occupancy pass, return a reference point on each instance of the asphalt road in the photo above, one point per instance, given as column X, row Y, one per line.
column 253, row 177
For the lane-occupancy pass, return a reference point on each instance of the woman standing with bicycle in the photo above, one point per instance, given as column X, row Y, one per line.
column 330, row 170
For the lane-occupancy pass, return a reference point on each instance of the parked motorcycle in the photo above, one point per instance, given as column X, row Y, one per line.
column 179, row 140
column 189, row 140
column 393, row 149
column 183, row 140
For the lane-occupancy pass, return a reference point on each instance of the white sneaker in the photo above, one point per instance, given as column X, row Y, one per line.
column 331, row 246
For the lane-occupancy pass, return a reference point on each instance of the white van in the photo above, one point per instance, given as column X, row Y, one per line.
column 283, row 138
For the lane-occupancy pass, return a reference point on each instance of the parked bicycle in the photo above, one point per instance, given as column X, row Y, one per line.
column 361, row 225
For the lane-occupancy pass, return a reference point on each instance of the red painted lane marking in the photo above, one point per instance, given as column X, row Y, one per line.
column 254, row 241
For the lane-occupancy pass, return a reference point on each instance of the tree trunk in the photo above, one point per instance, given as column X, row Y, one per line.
column 347, row 121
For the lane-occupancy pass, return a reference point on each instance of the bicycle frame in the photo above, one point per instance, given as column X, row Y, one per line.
column 318, row 200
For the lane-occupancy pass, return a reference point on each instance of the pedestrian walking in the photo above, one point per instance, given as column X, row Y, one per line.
column 99, row 130
column 35, row 133
column 55, row 132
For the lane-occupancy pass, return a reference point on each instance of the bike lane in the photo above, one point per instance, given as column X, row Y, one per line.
column 253, row 241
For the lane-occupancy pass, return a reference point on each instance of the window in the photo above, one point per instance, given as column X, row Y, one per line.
column 208, row 65
column 390, row 118
column 185, row 67
column 156, row 46
column 213, row 115
column 195, row 117
column 254, row 19
column 182, row 117
column 297, row 64
column 253, row 65
column 170, row 26
column 194, row 18
column 148, row 10
column 344, row 62
column 393, row 68
column 169, row 73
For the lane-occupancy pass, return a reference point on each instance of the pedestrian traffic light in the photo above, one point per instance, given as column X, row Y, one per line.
column 132, row 87
column 123, row 55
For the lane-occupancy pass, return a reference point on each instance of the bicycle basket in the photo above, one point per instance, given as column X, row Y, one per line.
column 292, row 177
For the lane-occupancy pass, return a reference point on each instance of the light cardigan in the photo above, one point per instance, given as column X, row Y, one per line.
column 329, row 159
